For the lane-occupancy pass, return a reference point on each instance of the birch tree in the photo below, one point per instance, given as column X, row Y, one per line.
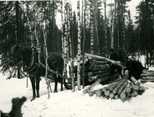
column 79, row 44
column 94, row 12
column 112, row 22
column 69, row 41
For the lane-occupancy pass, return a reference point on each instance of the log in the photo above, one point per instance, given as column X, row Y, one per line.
column 122, row 87
column 94, row 84
column 133, row 80
column 114, row 77
column 135, row 86
column 115, row 97
column 98, row 93
column 128, row 89
column 107, row 93
column 148, row 73
column 125, row 94
column 118, row 86
column 144, row 80
column 141, row 90
column 95, row 72
column 111, row 95
column 99, row 57
column 103, row 58
column 91, row 93
column 103, row 77
column 134, row 91
column 134, row 94
column 104, row 90
column 87, row 90
column 93, row 77
column 99, row 67
column 102, row 68
column 99, row 62
column 92, row 65
column 113, row 85
column 100, row 75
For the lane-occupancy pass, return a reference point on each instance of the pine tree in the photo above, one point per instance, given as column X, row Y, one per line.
column 119, row 26
column 112, row 23
column 12, row 25
column 145, row 27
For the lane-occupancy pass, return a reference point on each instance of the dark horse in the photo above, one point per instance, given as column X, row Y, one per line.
column 135, row 69
column 36, row 70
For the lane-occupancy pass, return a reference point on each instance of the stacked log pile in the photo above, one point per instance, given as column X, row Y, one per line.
column 97, row 70
column 123, row 89
column 114, row 87
column 100, row 69
column 147, row 76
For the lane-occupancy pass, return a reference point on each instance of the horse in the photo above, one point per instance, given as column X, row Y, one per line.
column 35, row 70
column 135, row 69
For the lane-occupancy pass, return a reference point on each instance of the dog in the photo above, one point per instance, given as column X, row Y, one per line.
column 16, row 108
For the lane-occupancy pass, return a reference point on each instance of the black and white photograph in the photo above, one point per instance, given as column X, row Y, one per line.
column 76, row 58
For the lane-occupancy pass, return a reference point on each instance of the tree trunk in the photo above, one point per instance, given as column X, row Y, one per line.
column 79, row 46
column 46, row 61
column 18, row 31
column 92, row 29
column 105, row 26
column 84, row 40
column 31, row 37
column 64, row 38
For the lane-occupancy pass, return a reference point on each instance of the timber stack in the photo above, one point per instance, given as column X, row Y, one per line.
column 113, row 85
column 147, row 76
column 99, row 67
column 123, row 89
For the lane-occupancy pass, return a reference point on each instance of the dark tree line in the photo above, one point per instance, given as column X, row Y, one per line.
column 144, row 32
column 22, row 23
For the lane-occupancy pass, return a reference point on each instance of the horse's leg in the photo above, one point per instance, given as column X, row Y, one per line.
column 32, row 79
column 62, row 82
column 37, row 81
column 50, row 86
column 56, row 82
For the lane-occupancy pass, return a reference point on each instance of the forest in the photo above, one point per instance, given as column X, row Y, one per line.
column 90, row 51
column 94, row 27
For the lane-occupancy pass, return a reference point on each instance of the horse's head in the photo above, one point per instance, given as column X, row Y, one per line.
column 22, row 55
column 26, row 56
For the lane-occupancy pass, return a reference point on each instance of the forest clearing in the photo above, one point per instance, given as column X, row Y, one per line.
column 77, row 58
column 77, row 104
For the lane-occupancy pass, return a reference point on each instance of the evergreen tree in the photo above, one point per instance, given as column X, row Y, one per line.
column 145, row 23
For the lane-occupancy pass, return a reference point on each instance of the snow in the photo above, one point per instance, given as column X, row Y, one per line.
column 74, row 104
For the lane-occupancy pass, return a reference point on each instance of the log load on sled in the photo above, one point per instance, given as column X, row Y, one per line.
column 108, row 73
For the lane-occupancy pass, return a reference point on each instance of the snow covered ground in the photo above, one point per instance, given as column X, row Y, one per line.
column 69, row 104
